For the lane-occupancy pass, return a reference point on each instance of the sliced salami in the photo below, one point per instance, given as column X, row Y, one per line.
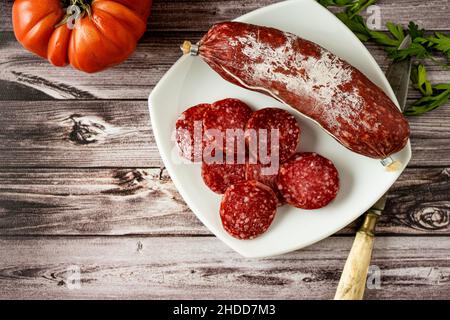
column 185, row 130
column 267, row 177
column 223, row 115
column 247, row 209
column 271, row 119
column 218, row 177
column 308, row 181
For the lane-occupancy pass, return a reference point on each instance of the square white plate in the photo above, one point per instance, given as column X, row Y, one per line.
column 363, row 181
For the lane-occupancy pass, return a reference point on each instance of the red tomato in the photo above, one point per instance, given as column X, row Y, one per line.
column 105, row 34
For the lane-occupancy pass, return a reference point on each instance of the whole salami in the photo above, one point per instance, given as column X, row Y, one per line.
column 312, row 80
column 247, row 209
column 308, row 181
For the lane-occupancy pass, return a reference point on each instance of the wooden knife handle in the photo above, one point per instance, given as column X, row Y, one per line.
column 354, row 276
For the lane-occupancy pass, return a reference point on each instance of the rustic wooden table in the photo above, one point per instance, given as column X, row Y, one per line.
column 82, row 184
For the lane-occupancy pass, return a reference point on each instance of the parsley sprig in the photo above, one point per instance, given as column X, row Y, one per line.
column 433, row 96
column 422, row 47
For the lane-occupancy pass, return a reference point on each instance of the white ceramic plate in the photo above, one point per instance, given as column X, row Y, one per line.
column 363, row 181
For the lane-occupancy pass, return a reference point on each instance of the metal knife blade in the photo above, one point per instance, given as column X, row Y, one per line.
column 398, row 75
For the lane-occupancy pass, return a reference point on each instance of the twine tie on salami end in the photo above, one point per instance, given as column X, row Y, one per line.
column 188, row 48
column 390, row 164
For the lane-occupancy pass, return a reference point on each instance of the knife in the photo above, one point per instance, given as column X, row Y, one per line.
column 353, row 279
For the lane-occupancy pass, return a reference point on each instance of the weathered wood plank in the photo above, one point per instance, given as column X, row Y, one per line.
column 410, row 205
column 171, row 15
column 135, row 78
column 176, row 15
column 76, row 134
column 30, row 77
column 145, row 201
column 195, row 268
column 118, row 134
column 80, row 201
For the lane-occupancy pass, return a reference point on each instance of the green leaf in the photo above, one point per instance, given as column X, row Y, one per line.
column 419, row 79
column 397, row 31
column 356, row 24
column 383, row 39
column 362, row 37
column 433, row 96
column 442, row 86
column 414, row 50
column 441, row 42
column 359, row 6
column 414, row 31
column 428, row 103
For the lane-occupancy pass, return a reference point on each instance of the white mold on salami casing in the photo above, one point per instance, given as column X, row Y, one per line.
column 319, row 77
column 312, row 80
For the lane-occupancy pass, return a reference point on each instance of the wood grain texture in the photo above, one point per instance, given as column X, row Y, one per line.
column 118, row 134
column 80, row 201
column 145, row 201
column 176, row 15
column 36, row 79
column 143, row 268
column 76, row 134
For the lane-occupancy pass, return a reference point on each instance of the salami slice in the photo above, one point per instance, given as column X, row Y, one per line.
column 256, row 172
column 308, row 181
column 218, row 177
column 185, row 132
column 274, row 119
column 226, row 114
column 247, row 209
